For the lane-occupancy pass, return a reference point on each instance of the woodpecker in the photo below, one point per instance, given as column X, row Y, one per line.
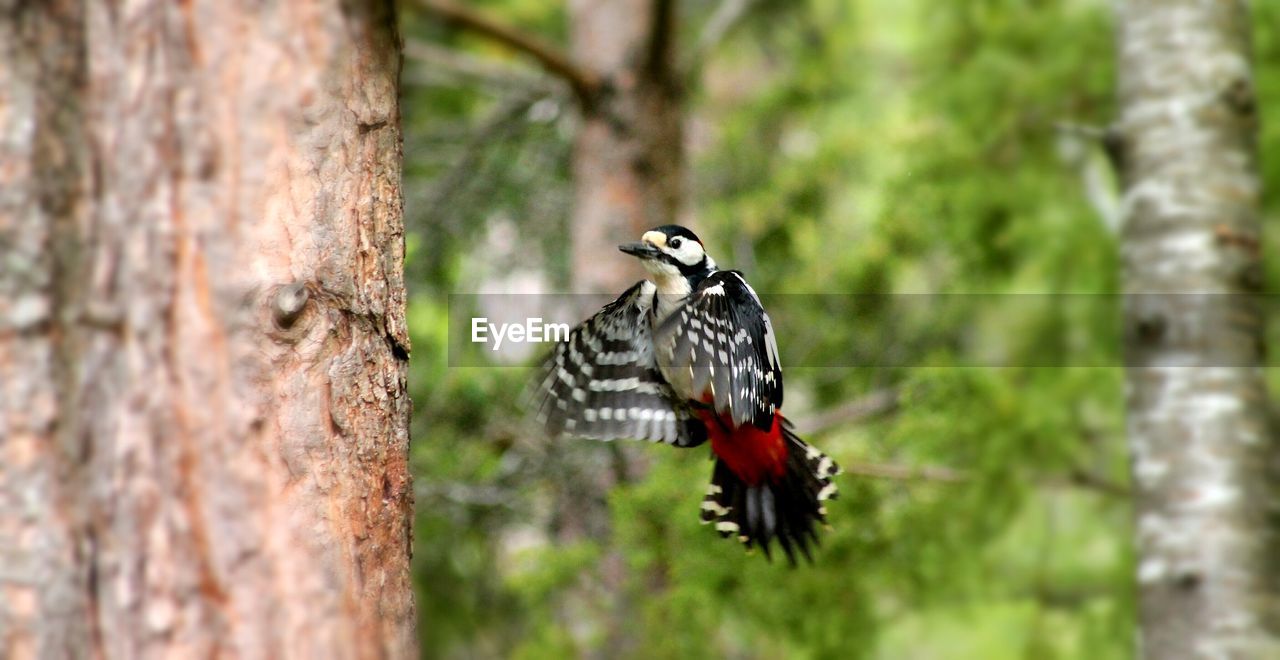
column 684, row 358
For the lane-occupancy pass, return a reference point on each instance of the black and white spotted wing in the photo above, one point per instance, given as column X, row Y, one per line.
column 721, row 340
column 603, row 383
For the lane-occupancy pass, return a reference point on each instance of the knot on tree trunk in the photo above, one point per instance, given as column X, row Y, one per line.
column 288, row 304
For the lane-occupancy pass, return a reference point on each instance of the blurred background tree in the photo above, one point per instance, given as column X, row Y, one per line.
column 1201, row 443
column 921, row 161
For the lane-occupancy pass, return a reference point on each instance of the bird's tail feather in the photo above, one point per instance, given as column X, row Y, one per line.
column 786, row 508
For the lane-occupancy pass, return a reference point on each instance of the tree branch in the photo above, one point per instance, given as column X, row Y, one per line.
column 1096, row 482
column 466, row 494
column 451, row 66
column 1076, row 478
column 723, row 21
column 905, row 472
column 497, row 124
column 1074, row 142
column 585, row 83
column 875, row 404
column 662, row 28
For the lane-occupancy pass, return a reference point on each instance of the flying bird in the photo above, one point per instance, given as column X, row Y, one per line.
column 685, row 358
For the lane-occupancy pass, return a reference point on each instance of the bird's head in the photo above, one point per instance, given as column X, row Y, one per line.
column 670, row 251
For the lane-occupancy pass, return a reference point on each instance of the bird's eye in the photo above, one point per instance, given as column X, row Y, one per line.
column 676, row 243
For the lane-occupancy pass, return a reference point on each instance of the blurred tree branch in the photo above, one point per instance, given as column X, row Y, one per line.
column 466, row 494
column 875, row 404
column 726, row 18
column 1075, row 478
column 1069, row 596
column 900, row 472
column 459, row 68
column 584, row 82
column 1075, row 149
column 661, row 49
column 1096, row 482
column 501, row 122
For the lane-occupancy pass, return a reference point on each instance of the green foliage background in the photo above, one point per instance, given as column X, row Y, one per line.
column 861, row 147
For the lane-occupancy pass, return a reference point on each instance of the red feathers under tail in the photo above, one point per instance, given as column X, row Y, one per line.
column 759, row 502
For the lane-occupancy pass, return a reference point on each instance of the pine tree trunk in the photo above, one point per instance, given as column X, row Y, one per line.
column 628, row 175
column 628, row 164
column 203, row 413
column 1197, row 402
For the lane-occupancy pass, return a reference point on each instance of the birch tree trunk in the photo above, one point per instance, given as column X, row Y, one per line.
column 1197, row 423
column 203, row 413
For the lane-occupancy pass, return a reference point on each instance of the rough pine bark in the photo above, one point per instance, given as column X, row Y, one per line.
column 1197, row 404
column 203, row 413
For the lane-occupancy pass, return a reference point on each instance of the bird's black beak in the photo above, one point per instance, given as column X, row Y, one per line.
column 642, row 250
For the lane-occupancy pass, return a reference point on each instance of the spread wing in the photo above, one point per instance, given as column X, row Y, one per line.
column 603, row 382
column 723, row 337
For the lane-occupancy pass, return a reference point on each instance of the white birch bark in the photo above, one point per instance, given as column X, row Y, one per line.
column 1197, row 406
